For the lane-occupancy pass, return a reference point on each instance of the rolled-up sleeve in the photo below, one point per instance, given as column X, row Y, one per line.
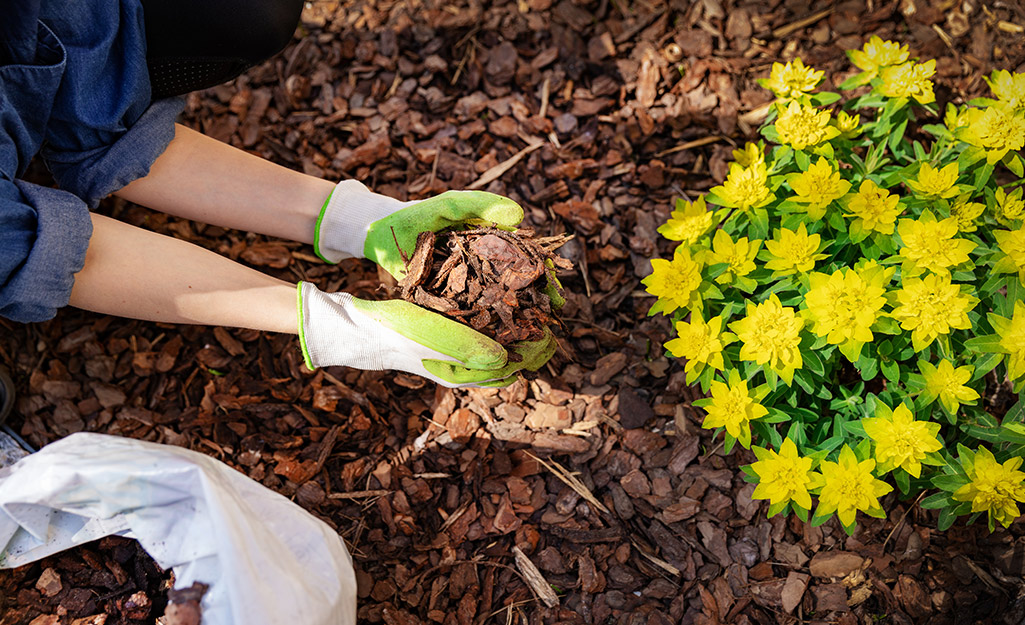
column 44, row 235
column 96, row 173
column 104, row 130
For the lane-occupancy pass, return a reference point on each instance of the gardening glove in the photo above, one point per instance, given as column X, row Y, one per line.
column 339, row 329
column 358, row 223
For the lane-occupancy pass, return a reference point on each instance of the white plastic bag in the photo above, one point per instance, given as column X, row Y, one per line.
column 266, row 560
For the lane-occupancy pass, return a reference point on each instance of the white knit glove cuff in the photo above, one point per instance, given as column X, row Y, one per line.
column 341, row 230
column 332, row 332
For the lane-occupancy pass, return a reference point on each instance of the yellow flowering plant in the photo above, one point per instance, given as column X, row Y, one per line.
column 853, row 296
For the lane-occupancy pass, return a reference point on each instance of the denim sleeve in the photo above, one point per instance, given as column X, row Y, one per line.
column 44, row 234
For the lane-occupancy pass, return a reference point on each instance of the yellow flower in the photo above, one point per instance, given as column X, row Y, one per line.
column 930, row 245
column 699, row 342
column 874, row 209
column 783, row 476
column 770, row 334
column 688, row 222
column 948, row 384
column 849, row 486
column 1008, row 88
column 793, row 252
column 739, row 255
column 930, row 307
column 1012, row 245
column 909, row 80
column 997, row 129
column 801, row 126
column 842, row 307
column 733, row 407
column 792, row 80
column 1009, row 206
column 745, row 187
column 848, row 125
column 751, row 154
column 1012, row 339
column 994, row 488
column 675, row 283
column 966, row 213
column 901, row 442
column 955, row 117
column 817, row 187
column 876, row 54
column 935, row 183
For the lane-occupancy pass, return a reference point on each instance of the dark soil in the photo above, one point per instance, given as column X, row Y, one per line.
column 593, row 115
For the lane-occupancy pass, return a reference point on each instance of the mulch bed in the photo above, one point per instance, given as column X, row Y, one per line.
column 589, row 494
column 111, row 581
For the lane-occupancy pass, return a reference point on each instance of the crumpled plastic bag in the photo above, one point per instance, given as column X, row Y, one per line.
column 265, row 559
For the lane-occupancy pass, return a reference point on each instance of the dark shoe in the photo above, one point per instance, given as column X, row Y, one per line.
column 6, row 394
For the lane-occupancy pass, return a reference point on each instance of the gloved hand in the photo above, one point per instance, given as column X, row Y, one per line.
column 358, row 223
column 339, row 329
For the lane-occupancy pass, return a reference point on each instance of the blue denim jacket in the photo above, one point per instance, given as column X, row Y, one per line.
column 74, row 88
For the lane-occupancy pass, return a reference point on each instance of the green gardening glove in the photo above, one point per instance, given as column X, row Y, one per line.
column 339, row 329
column 357, row 223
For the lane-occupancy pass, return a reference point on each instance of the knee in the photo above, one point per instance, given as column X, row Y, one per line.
column 267, row 27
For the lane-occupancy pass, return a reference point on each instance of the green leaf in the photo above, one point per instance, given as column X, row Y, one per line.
column 855, row 81
column 903, row 480
column 759, row 223
column 982, row 176
column 1014, row 163
column 813, row 363
column 946, row 519
column 890, row 369
column 802, row 159
column 817, row 520
column 896, row 136
column 1012, row 433
column 985, row 364
column 935, row 501
column 948, row 482
column 824, row 98
column 989, row 344
column 855, row 428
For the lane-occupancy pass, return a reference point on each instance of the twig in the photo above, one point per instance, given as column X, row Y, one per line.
column 496, row 172
column 783, row 31
column 570, row 479
column 690, row 144
column 901, row 521
column 359, row 494
column 545, row 89
column 628, row 34
column 535, row 579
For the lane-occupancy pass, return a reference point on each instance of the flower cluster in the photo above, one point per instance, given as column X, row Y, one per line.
column 845, row 293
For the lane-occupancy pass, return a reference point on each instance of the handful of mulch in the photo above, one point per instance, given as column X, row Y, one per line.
column 112, row 581
column 498, row 282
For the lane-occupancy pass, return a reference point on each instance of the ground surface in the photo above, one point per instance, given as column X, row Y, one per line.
column 597, row 470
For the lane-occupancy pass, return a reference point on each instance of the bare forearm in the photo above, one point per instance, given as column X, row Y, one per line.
column 135, row 273
column 205, row 180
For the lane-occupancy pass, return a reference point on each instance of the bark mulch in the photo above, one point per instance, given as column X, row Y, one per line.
column 589, row 494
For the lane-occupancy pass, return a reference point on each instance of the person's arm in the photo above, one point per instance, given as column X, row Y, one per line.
column 131, row 272
column 205, row 180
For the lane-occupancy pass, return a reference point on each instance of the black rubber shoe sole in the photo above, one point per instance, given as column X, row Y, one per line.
column 6, row 394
